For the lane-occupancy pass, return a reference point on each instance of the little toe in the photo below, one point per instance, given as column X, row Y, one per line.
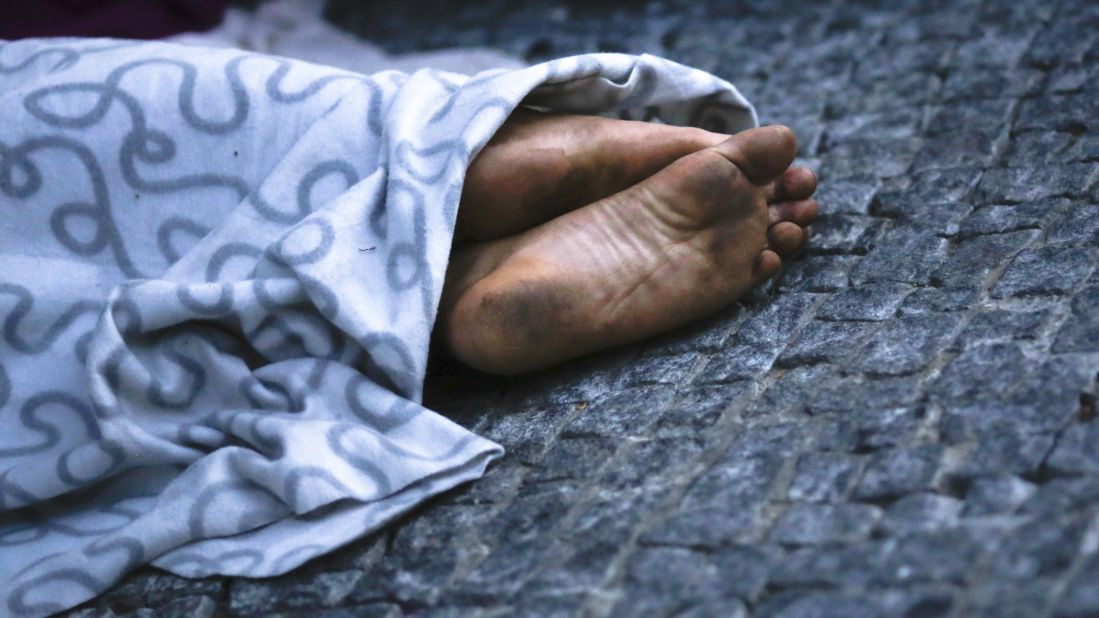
column 765, row 267
column 796, row 183
column 801, row 212
column 785, row 238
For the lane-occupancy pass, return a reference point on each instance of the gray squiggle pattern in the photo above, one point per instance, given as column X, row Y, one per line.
column 199, row 365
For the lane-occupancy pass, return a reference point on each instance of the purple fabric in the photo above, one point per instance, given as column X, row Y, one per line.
column 130, row 19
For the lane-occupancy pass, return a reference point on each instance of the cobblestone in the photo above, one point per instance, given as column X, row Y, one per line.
column 897, row 472
column 903, row 255
column 902, row 424
column 906, row 344
column 814, row 524
column 1045, row 271
column 874, row 302
column 922, row 512
column 1001, row 219
column 1080, row 333
column 998, row 494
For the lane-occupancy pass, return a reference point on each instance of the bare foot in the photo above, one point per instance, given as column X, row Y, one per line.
column 538, row 166
column 682, row 223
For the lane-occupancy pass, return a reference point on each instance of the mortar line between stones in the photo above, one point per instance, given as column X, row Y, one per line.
column 726, row 425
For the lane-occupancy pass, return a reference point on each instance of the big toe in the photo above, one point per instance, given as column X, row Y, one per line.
column 763, row 153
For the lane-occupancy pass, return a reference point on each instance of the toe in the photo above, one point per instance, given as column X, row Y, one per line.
column 765, row 267
column 762, row 153
column 796, row 183
column 785, row 238
column 801, row 212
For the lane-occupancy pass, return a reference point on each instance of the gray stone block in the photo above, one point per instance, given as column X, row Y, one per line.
column 898, row 472
column 947, row 555
column 1002, row 326
column 848, row 566
column 666, row 580
column 815, row 524
column 625, row 413
column 1075, row 451
column 824, row 477
column 1040, row 548
column 901, row 92
column 739, row 362
column 599, row 532
column 848, row 195
column 1080, row 333
column 862, row 429
column 1071, row 78
column 995, row 219
column 832, row 342
column 1058, row 496
column 188, row 607
column 874, row 302
column 1045, row 271
column 1036, row 182
column 985, row 118
column 258, row 597
column 1083, row 148
column 843, row 233
column 891, row 124
column 938, row 300
column 981, row 373
column 1068, row 113
column 527, row 434
column 657, row 370
column 1059, row 44
column 795, row 604
column 852, row 394
column 999, row 494
column 943, row 218
column 1002, row 599
column 935, row 185
column 789, row 396
column 995, row 446
column 574, row 457
column 922, row 512
column 991, row 51
column 902, row 255
column 1078, row 226
column 164, row 588
column 1037, row 147
column 883, row 158
column 772, row 323
column 972, row 260
column 535, row 509
column 907, row 344
column 1081, row 597
column 991, row 82
column 724, row 505
column 652, row 465
column 818, row 273
column 700, row 407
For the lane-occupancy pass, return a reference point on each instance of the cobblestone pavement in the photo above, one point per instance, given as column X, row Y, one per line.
column 903, row 424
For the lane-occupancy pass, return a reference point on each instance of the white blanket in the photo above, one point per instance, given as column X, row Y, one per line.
column 218, row 276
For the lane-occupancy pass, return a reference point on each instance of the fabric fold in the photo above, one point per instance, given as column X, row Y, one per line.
column 219, row 272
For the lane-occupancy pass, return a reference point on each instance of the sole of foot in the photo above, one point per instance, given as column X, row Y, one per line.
column 682, row 243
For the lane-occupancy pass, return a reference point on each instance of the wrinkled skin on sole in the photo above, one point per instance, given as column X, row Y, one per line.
column 580, row 233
